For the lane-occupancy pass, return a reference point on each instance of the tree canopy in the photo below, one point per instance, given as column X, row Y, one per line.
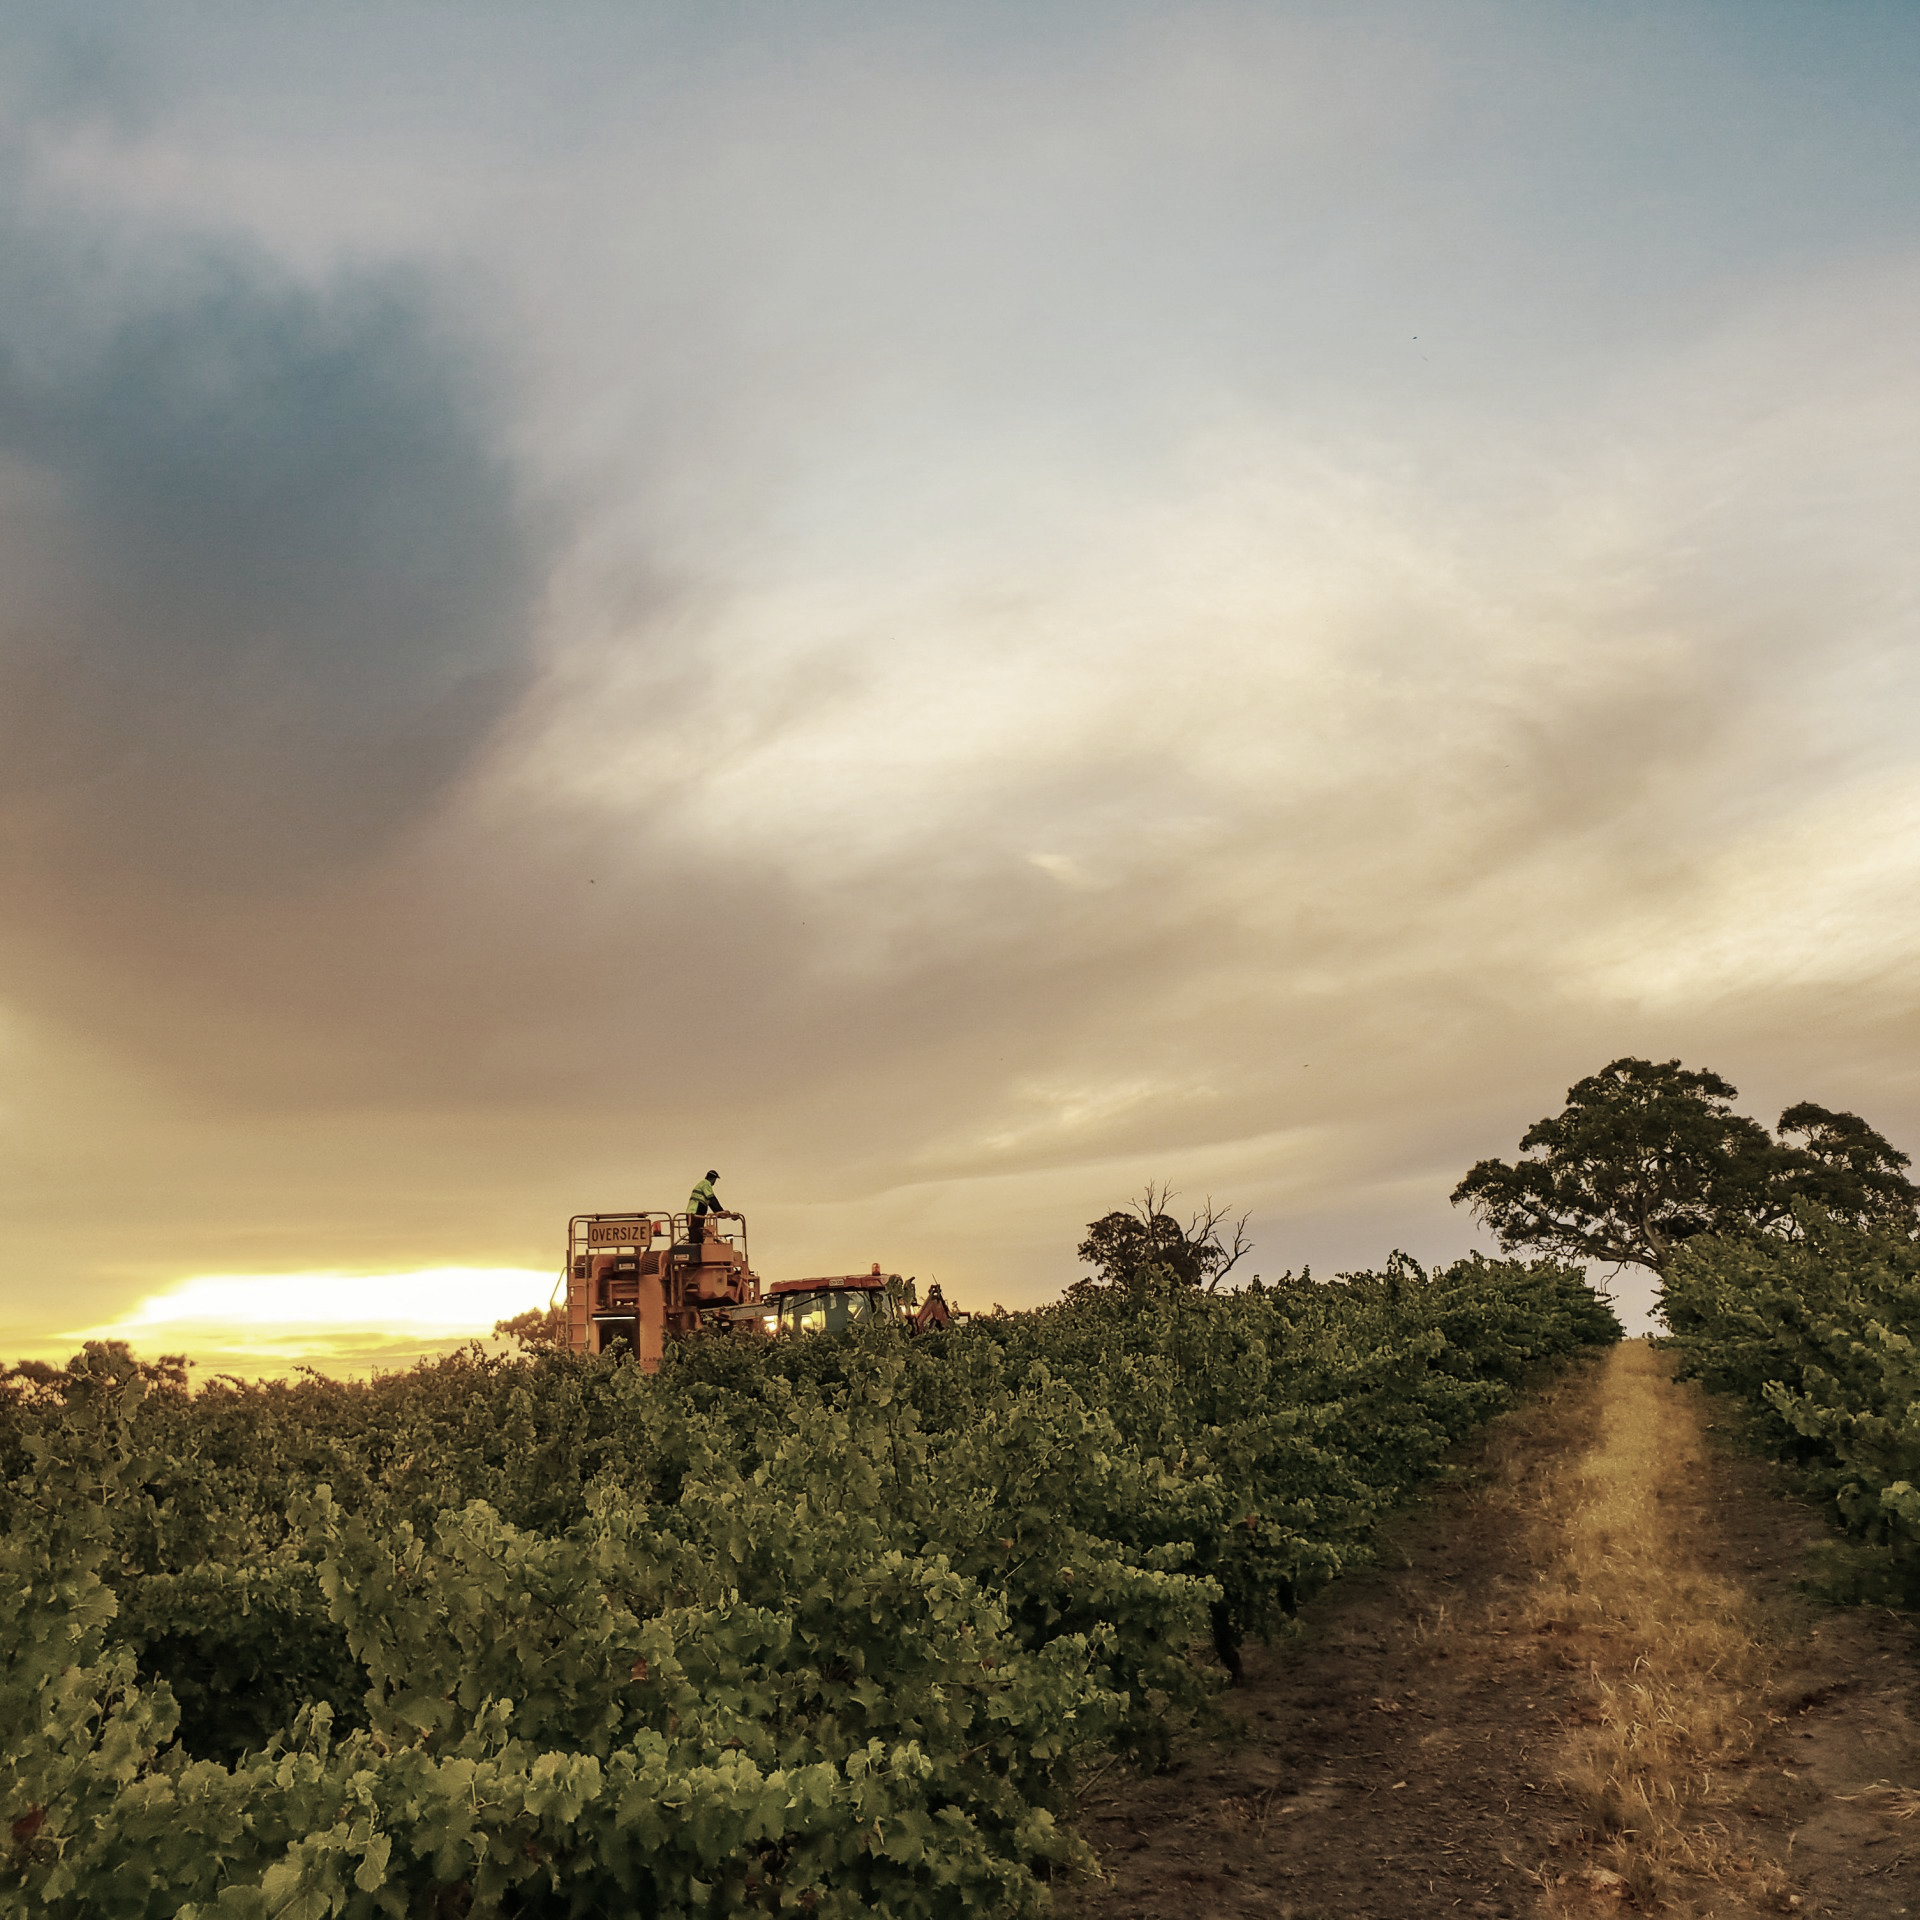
column 536, row 1328
column 1646, row 1156
column 1123, row 1247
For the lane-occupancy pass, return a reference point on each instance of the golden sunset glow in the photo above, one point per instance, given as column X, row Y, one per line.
column 257, row 1322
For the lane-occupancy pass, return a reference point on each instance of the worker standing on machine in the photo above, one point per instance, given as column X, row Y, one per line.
column 700, row 1202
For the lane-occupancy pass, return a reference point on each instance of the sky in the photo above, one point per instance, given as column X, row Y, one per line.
column 947, row 609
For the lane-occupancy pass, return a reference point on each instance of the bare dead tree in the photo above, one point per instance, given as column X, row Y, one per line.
column 1199, row 1252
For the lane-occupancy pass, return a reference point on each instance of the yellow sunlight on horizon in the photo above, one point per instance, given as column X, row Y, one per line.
column 264, row 1323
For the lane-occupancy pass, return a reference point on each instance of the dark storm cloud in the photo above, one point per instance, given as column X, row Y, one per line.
column 266, row 585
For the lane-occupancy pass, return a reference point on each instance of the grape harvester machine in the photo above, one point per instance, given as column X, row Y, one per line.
column 641, row 1279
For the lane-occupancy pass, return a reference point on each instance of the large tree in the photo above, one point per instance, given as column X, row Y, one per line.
column 1646, row 1155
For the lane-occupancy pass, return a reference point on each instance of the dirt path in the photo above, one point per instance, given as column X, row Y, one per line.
column 1496, row 1721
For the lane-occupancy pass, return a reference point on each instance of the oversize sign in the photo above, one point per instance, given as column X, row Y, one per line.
column 619, row 1233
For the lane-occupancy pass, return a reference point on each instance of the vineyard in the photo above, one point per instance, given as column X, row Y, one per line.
column 1812, row 1335
column 829, row 1626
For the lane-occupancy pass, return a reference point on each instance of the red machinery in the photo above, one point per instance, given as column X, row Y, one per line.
column 640, row 1278
column 838, row 1301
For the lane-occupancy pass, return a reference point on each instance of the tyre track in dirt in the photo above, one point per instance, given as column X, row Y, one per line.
column 1405, row 1754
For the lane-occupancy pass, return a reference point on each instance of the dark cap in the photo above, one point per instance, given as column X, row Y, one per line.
column 713, row 1173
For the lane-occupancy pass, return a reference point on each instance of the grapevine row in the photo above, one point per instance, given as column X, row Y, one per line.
column 1815, row 1334
column 823, row 1626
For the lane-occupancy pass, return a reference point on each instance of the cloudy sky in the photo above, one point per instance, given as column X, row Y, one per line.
column 946, row 608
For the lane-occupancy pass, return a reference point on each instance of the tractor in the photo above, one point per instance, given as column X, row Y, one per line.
column 640, row 1279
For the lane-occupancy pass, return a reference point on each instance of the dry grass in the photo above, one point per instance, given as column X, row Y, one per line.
column 1897, row 1803
column 1676, row 1669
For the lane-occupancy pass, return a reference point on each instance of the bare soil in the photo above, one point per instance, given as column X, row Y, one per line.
column 1398, row 1757
column 1830, row 1790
